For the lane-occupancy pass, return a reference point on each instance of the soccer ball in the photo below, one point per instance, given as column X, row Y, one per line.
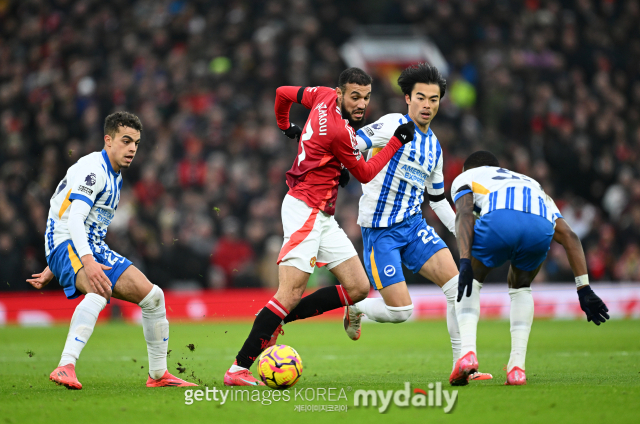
column 280, row 366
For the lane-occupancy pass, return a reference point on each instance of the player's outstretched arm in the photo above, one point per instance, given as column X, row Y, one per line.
column 464, row 235
column 591, row 304
column 363, row 170
column 42, row 279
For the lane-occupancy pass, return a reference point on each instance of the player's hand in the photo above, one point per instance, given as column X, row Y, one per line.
column 344, row 177
column 42, row 279
column 97, row 278
column 405, row 132
column 593, row 306
column 465, row 279
column 293, row 131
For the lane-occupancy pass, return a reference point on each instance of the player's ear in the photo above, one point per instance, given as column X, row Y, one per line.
column 407, row 98
column 107, row 140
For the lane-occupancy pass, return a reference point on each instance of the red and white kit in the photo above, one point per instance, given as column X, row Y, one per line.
column 311, row 234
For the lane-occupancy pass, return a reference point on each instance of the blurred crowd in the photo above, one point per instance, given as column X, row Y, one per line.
column 551, row 87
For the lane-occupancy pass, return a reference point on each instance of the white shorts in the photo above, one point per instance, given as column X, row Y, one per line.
column 312, row 237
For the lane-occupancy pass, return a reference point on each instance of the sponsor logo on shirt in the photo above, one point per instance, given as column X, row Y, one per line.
column 85, row 190
column 413, row 174
column 104, row 216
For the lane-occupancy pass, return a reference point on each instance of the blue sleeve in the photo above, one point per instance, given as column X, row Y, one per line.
column 85, row 199
column 460, row 194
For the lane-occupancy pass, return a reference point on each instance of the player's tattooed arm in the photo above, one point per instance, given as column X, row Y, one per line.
column 464, row 223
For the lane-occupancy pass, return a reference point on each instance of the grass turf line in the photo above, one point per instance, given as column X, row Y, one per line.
column 577, row 372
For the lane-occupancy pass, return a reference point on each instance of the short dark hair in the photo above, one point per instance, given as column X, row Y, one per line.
column 480, row 158
column 121, row 119
column 424, row 73
column 353, row 76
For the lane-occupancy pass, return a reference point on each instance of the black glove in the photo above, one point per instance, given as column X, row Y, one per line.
column 293, row 131
column 344, row 177
column 593, row 306
column 465, row 279
column 405, row 132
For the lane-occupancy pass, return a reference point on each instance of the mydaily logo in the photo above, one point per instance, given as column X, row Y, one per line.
column 403, row 398
column 337, row 398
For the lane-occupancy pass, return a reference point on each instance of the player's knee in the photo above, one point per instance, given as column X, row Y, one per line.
column 400, row 313
column 154, row 301
column 358, row 293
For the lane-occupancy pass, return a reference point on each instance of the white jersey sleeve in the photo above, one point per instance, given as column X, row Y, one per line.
column 377, row 135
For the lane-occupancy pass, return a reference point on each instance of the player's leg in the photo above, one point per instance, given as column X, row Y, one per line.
column 441, row 269
column 131, row 285
column 521, row 317
column 383, row 265
column 394, row 306
column 534, row 238
column 302, row 227
column 337, row 253
column 67, row 267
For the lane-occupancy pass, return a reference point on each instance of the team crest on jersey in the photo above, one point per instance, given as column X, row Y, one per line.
column 430, row 158
column 389, row 270
column 354, row 143
column 90, row 179
column 312, row 262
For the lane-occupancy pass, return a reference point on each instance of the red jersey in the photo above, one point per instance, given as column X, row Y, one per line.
column 327, row 142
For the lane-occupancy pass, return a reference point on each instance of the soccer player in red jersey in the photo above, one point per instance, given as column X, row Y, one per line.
column 312, row 235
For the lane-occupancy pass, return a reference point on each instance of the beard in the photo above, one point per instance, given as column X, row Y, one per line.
column 356, row 125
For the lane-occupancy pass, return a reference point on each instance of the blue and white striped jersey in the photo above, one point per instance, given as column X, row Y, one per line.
column 497, row 188
column 397, row 192
column 91, row 180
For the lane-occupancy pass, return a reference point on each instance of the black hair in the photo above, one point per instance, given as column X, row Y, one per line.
column 480, row 158
column 353, row 76
column 121, row 119
column 424, row 73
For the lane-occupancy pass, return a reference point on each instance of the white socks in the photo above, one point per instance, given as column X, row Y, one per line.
column 450, row 290
column 156, row 331
column 82, row 324
column 521, row 320
column 468, row 313
column 377, row 310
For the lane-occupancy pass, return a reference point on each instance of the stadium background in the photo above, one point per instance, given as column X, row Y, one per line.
column 552, row 87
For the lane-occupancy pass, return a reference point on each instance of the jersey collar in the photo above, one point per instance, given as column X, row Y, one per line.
column 106, row 159
column 428, row 133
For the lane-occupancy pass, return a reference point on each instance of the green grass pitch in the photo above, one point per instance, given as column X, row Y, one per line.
column 577, row 373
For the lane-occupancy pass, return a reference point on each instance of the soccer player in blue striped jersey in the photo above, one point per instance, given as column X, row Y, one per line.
column 393, row 229
column 517, row 222
column 82, row 208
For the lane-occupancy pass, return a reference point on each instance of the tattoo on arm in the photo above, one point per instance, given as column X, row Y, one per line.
column 464, row 225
